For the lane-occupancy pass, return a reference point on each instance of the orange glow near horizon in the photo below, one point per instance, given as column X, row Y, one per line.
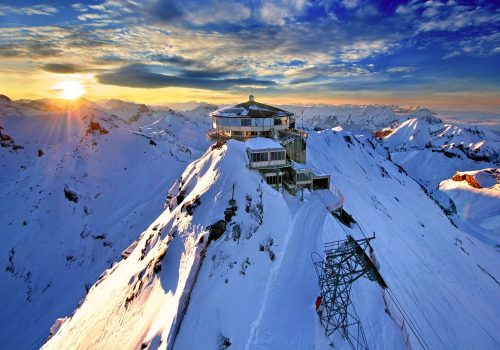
column 74, row 86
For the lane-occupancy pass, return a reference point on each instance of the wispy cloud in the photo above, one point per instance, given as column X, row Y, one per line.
column 279, row 46
column 43, row 10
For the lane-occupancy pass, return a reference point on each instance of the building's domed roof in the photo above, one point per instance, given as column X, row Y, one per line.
column 252, row 109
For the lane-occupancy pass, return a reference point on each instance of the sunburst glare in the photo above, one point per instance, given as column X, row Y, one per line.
column 69, row 89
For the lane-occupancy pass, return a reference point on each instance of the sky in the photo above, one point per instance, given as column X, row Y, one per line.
column 438, row 54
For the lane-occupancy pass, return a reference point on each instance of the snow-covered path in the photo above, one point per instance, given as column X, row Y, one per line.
column 284, row 318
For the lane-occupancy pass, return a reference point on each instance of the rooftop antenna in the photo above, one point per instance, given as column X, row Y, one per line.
column 232, row 201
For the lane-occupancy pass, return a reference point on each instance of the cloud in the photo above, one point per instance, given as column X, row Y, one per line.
column 63, row 68
column 162, row 10
column 177, row 60
column 401, row 69
column 43, row 10
column 29, row 49
column 350, row 4
column 484, row 45
column 216, row 12
column 273, row 44
column 279, row 12
column 140, row 76
column 434, row 15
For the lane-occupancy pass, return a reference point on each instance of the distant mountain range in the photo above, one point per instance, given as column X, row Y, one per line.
column 107, row 205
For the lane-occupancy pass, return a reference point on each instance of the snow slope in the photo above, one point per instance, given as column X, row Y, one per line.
column 256, row 286
column 432, row 151
column 477, row 208
column 116, row 175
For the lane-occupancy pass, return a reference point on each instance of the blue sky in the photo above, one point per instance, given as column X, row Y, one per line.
column 443, row 52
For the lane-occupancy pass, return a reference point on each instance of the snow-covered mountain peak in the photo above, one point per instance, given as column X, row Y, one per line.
column 426, row 115
column 182, row 283
column 87, row 194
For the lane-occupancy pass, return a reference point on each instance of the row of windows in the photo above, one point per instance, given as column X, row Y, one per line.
column 264, row 157
column 257, row 122
column 278, row 155
column 259, row 157
column 303, row 177
column 249, row 133
column 274, row 179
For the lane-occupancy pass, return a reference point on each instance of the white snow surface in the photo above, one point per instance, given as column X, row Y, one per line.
column 477, row 208
column 432, row 151
column 262, row 143
column 53, row 249
column 256, row 286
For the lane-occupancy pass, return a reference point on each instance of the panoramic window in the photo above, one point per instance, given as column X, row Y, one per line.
column 246, row 122
column 280, row 155
column 303, row 177
column 259, row 157
column 273, row 179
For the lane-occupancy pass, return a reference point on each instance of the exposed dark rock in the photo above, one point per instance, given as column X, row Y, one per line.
column 40, row 153
column 152, row 143
column 70, row 195
column 471, row 180
column 218, row 145
column 190, row 207
column 223, row 342
column 229, row 213
column 96, row 128
column 216, row 230
column 181, row 196
column 380, row 134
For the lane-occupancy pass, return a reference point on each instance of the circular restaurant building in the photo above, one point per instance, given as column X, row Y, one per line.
column 248, row 120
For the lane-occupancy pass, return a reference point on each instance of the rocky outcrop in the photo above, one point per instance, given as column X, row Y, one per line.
column 485, row 178
column 380, row 134
column 466, row 177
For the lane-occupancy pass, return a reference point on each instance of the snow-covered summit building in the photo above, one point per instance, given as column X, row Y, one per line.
column 250, row 119
column 274, row 146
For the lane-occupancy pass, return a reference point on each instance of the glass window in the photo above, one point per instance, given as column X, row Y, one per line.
column 272, row 180
column 303, row 177
column 259, row 157
column 237, row 133
column 260, row 122
column 280, row 155
column 277, row 121
column 246, row 122
column 232, row 122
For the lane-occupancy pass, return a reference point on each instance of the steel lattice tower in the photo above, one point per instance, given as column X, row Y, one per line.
column 345, row 261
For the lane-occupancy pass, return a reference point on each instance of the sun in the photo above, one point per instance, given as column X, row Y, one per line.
column 69, row 89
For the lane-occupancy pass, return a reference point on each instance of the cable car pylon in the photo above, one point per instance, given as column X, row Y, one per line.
column 345, row 262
